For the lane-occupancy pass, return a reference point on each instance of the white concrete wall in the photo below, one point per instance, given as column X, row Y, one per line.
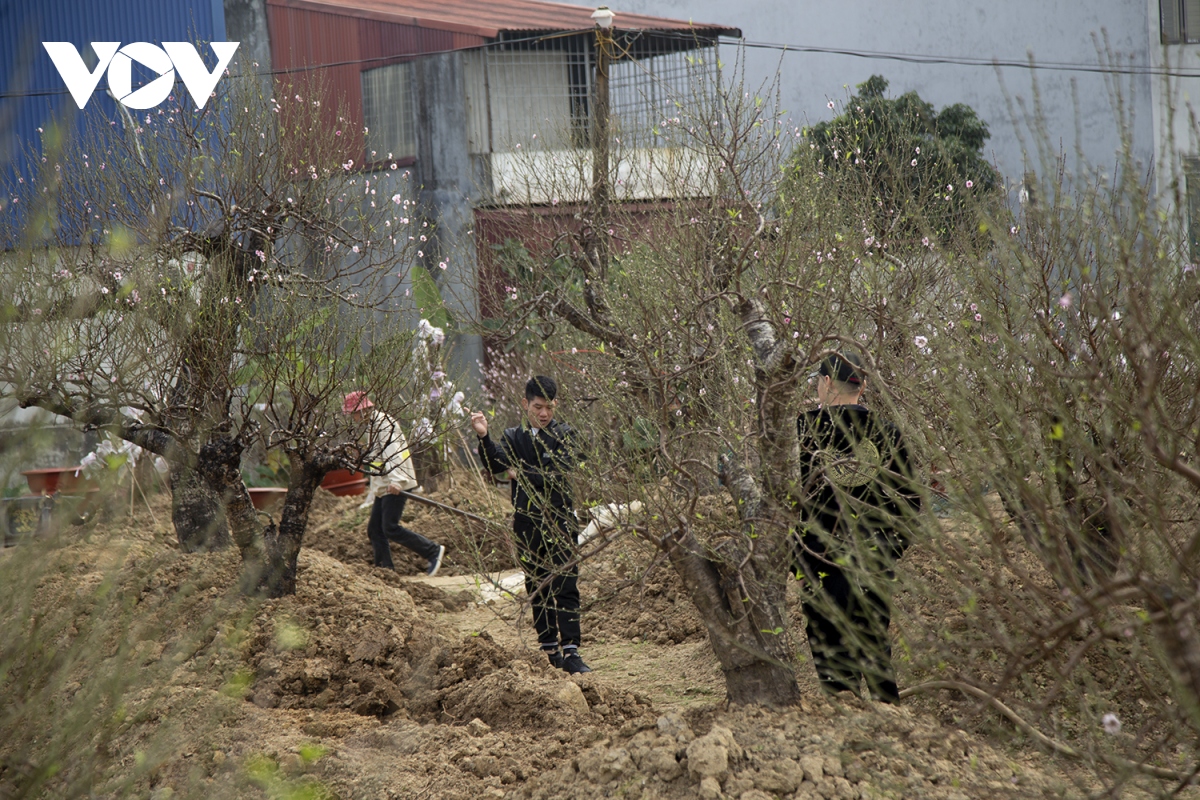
column 565, row 176
column 1176, row 104
column 1052, row 30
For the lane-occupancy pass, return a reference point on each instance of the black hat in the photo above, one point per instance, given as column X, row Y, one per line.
column 844, row 367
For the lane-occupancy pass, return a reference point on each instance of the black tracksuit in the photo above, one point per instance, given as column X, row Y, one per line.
column 859, row 499
column 544, row 522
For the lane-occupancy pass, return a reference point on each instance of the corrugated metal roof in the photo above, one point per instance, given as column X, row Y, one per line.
column 342, row 44
column 491, row 18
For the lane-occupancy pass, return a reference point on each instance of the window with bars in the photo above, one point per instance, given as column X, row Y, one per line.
column 1191, row 174
column 389, row 112
column 1180, row 21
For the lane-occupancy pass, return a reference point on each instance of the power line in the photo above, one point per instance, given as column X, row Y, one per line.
column 967, row 61
column 881, row 55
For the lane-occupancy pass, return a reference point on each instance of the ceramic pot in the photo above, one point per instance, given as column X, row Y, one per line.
column 266, row 498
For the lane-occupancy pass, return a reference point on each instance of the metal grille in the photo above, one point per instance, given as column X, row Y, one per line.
column 389, row 112
column 643, row 92
column 540, row 97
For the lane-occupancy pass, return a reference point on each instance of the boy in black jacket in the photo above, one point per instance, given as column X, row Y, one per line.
column 538, row 456
column 859, row 499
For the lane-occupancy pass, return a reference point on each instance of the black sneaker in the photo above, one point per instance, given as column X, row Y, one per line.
column 573, row 663
column 556, row 658
column 436, row 563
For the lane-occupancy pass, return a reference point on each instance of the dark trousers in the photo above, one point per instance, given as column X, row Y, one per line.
column 545, row 546
column 847, row 625
column 384, row 525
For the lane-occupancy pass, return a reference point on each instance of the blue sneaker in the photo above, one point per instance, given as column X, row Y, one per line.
column 436, row 563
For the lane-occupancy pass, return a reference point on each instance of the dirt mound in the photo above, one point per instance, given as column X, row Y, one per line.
column 649, row 605
column 822, row 750
column 631, row 593
column 351, row 689
column 529, row 694
column 337, row 526
column 430, row 597
column 341, row 641
column 352, row 641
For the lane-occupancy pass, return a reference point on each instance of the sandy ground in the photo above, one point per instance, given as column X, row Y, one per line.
column 374, row 684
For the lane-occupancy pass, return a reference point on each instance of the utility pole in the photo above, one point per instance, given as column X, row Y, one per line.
column 600, row 189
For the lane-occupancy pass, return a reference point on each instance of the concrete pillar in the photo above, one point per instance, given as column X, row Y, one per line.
column 246, row 22
column 446, row 196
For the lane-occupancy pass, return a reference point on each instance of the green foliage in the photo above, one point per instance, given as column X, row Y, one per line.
column 311, row 753
column 273, row 471
column 516, row 261
column 907, row 161
column 238, row 684
column 428, row 298
column 263, row 771
column 289, row 635
column 526, row 275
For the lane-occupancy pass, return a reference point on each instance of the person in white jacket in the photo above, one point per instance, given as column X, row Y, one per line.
column 396, row 476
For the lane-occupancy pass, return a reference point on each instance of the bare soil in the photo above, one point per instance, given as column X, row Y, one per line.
column 373, row 684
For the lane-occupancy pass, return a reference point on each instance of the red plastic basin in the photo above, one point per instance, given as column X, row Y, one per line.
column 54, row 479
column 344, row 482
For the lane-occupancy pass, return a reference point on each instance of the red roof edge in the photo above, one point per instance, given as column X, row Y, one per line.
column 490, row 31
column 383, row 16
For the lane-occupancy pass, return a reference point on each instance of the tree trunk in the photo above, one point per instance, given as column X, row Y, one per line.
column 198, row 406
column 196, row 513
column 220, row 464
column 283, row 541
column 743, row 602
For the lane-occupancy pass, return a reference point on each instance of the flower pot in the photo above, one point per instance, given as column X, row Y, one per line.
column 266, row 498
column 56, row 479
column 349, row 488
column 343, row 482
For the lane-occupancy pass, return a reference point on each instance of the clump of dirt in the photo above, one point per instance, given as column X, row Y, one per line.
column 841, row 750
column 343, row 640
column 529, row 694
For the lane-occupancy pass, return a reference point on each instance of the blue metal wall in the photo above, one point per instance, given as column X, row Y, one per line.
column 31, row 91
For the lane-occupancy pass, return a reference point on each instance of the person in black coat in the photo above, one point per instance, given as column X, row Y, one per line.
column 859, row 499
column 538, row 456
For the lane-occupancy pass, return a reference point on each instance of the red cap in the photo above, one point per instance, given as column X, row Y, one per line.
column 356, row 401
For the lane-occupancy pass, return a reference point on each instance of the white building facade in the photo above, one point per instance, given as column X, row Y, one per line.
column 945, row 49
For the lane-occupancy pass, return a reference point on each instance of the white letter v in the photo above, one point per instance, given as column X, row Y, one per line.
column 74, row 72
column 196, row 77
